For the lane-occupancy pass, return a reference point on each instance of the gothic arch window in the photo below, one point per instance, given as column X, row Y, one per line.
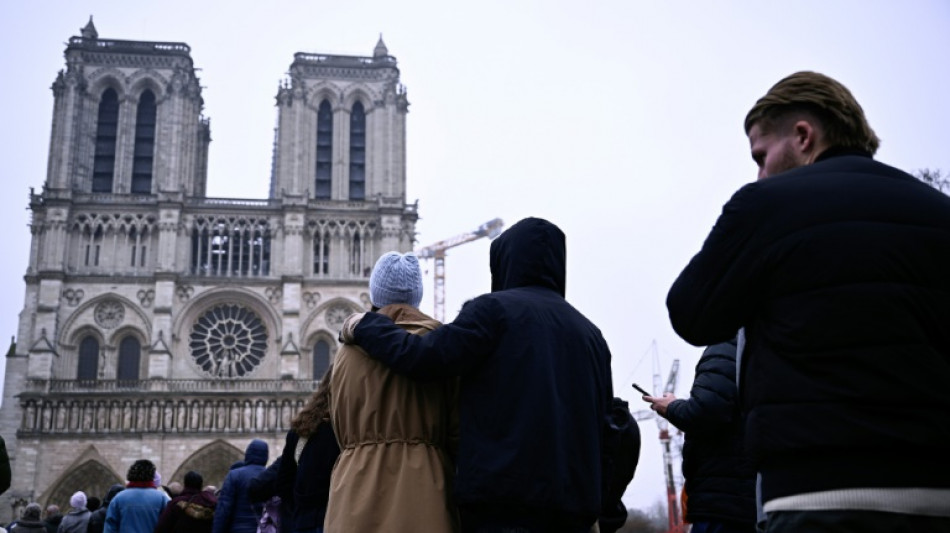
column 93, row 246
column 356, row 255
column 321, row 358
column 130, row 353
column 144, row 144
column 88, row 358
column 324, row 150
column 230, row 246
column 357, row 152
column 321, row 253
column 137, row 241
column 103, row 166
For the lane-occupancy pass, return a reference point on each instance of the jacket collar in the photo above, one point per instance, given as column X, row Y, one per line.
column 838, row 151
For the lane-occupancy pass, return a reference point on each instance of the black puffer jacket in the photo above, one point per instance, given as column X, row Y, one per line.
column 535, row 386
column 720, row 478
column 840, row 273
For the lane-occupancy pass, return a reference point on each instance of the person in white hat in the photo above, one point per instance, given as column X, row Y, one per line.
column 398, row 436
column 77, row 518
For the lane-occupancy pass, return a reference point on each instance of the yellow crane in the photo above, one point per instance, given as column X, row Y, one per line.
column 436, row 252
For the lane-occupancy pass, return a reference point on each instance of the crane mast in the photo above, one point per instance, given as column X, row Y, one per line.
column 436, row 252
column 673, row 509
column 674, row 513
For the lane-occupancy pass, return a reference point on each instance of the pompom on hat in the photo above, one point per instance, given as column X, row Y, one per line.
column 396, row 279
column 78, row 500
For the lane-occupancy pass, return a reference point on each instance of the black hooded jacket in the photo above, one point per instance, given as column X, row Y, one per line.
column 535, row 386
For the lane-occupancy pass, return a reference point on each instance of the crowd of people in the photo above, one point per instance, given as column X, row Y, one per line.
column 822, row 290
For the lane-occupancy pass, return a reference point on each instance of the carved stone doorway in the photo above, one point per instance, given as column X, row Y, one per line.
column 212, row 461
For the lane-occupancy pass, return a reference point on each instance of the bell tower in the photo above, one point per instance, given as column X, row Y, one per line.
column 127, row 120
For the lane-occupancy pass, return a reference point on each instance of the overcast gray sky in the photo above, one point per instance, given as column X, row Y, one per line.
column 620, row 121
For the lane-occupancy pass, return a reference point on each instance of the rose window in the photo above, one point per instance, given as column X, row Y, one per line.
column 109, row 313
column 228, row 341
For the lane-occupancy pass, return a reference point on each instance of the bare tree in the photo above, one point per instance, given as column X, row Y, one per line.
column 653, row 520
column 935, row 178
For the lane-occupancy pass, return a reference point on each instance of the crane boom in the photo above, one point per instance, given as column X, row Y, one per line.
column 436, row 252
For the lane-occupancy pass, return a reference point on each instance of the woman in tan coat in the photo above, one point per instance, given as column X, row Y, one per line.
column 397, row 436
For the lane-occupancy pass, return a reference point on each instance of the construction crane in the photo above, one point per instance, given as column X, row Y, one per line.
column 675, row 515
column 436, row 251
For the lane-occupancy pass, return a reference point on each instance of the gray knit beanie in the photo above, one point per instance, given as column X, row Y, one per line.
column 396, row 279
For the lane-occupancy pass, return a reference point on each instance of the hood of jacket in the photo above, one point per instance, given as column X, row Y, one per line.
column 410, row 318
column 256, row 453
column 530, row 253
column 113, row 490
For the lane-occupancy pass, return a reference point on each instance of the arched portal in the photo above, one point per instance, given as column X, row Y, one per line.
column 212, row 462
column 92, row 477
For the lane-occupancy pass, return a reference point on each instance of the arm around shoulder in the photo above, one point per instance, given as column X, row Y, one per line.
column 450, row 350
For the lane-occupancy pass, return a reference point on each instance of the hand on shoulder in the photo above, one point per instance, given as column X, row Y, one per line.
column 349, row 327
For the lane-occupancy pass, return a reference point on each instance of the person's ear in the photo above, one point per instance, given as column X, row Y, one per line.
column 806, row 137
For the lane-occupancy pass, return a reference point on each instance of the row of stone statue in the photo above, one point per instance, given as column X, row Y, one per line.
column 107, row 416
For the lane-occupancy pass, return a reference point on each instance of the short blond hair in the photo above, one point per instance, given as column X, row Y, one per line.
column 828, row 101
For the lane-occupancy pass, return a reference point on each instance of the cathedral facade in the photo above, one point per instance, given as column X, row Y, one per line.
column 163, row 324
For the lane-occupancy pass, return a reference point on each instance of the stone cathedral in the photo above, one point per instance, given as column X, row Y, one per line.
column 163, row 324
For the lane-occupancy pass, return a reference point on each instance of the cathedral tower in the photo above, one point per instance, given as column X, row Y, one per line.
column 159, row 323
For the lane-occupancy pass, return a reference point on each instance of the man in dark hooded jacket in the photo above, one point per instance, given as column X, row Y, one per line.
column 235, row 513
column 535, row 388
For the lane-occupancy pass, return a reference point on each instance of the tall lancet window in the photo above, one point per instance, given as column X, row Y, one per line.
column 324, row 150
column 88, row 358
column 321, row 359
column 144, row 144
column 357, row 152
column 130, row 352
column 103, row 167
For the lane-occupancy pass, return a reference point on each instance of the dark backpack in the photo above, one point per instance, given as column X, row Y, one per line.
column 621, row 453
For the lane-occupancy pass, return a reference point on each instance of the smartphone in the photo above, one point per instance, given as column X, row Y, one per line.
column 639, row 388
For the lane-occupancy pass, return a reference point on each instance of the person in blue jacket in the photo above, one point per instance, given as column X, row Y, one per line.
column 235, row 512
column 535, row 388
column 137, row 508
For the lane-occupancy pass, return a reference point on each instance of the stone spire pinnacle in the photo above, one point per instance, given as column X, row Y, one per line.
column 380, row 50
column 89, row 31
